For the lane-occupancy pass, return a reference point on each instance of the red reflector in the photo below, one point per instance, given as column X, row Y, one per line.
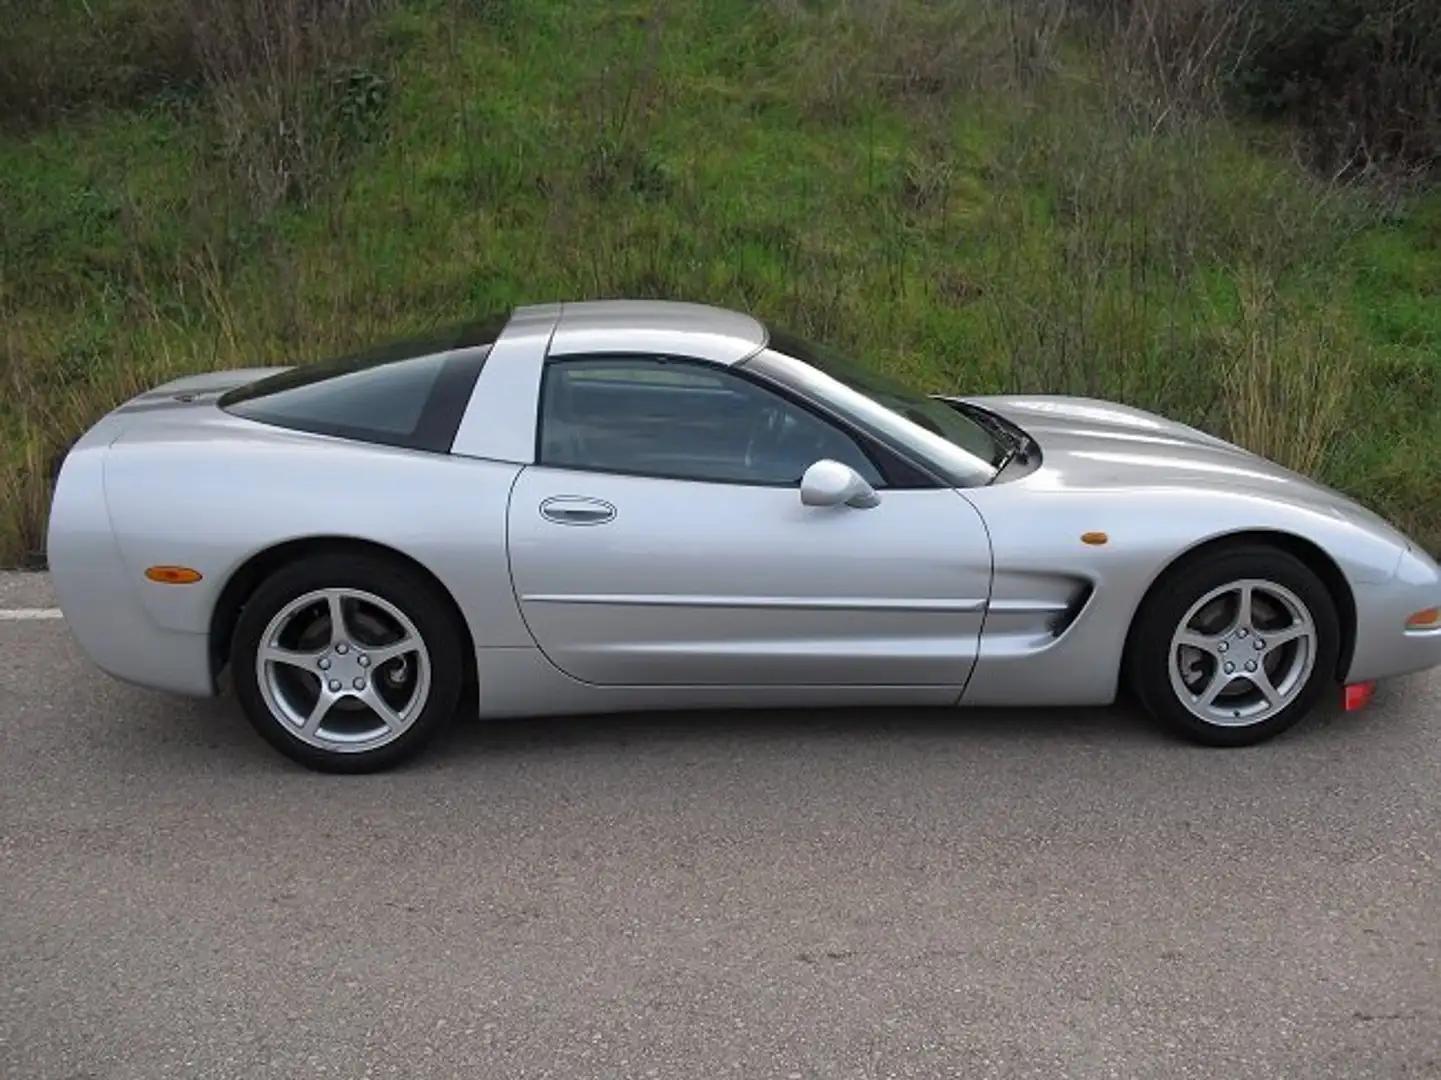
column 1357, row 696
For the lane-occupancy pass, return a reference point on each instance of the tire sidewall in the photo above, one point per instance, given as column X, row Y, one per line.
column 1174, row 595
column 412, row 594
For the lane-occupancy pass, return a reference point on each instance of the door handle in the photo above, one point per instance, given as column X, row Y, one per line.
column 576, row 510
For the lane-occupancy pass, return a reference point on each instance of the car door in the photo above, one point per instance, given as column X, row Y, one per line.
column 661, row 540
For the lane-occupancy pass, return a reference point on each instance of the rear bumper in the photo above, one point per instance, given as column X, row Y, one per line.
column 1384, row 647
column 96, row 592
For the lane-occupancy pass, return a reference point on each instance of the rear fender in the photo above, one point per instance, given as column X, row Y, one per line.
column 445, row 514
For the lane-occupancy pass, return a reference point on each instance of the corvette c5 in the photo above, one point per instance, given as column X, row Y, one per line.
column 633, row 505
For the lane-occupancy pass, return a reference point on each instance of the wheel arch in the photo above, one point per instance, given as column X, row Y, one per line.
column 1311, row 554
column 242, row 584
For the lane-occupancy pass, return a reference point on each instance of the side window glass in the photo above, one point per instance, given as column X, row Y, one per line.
column 652, row 416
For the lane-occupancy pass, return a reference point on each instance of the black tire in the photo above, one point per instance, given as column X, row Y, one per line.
column 1168, row 602
column 412, row 594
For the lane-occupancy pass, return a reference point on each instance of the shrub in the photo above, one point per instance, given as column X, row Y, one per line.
column 287, row 82
column 58, row 57
column 1360, row 80
column 290, row 87
column 1361, row 77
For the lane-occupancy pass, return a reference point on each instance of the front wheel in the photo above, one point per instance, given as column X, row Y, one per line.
column 1233, row 649
column 347, row 663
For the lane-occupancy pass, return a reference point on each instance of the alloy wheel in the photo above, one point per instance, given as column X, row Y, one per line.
column 343, row 670
column 1242, row 653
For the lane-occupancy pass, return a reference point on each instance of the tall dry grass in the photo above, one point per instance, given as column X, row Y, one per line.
column 1288, row 377
column 1358, row 81
column 293, row 85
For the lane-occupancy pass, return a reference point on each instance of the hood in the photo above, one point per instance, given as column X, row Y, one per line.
column 1089, row 443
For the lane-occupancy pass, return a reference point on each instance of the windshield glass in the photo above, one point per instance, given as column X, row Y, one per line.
column 931, row 428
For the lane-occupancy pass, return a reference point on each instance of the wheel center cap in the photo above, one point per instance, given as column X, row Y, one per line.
column 344, row 668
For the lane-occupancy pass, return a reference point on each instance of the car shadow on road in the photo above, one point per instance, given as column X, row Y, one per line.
column 1118, row 727
column 1122, row 724
column 870, row 725
column 471, row 738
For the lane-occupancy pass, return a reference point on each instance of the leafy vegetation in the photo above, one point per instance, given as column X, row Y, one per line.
column 981, row 195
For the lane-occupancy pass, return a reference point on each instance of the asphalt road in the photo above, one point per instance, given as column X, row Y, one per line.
column 781, row 895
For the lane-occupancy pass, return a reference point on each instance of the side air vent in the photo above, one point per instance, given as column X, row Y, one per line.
column 1062, row 620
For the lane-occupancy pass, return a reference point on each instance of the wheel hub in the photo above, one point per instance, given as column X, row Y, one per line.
column 344, row 665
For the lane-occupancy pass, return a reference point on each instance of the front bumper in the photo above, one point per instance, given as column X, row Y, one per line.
column 1384, row 646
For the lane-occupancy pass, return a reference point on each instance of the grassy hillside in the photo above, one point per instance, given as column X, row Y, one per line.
column 952, row 190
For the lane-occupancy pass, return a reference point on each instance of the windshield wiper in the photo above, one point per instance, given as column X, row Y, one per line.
column 1014, row 444
column 1010, row 451
column 1014, row 447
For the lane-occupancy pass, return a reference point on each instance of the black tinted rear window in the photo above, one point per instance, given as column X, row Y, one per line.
column 409, row 393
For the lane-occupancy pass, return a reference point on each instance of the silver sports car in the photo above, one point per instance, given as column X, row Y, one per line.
column 603, row 506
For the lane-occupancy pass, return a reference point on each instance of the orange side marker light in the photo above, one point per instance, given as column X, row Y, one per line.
column 1425, row 620
column 173, row 575
column 1095, row 539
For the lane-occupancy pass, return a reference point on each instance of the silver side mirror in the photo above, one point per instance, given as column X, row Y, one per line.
column 830, row 483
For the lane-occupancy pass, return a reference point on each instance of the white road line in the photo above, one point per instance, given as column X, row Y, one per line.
column 28, row 614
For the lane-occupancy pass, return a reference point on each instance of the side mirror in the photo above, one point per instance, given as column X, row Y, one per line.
column 830, row 483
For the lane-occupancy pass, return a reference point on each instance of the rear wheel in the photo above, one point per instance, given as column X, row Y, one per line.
column 347, row 663
column 1234, row 648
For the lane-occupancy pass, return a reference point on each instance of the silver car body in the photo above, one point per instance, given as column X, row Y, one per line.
column 585, row 591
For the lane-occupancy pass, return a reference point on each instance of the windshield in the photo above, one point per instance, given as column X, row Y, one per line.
column 931, row 428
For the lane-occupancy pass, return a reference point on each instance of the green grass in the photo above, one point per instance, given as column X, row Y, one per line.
column 888, row 177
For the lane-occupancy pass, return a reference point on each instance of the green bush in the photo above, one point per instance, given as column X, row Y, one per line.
column 1361, row 77
column 63, row 56
column 1359, row 80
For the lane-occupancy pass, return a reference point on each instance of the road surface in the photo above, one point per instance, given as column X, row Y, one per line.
column 783, row 895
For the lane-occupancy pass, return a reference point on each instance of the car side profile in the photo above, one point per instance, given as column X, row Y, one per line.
column 607, row 506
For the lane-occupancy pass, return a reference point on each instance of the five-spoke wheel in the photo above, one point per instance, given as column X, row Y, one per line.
column 344, row 668
column 1235, row 646
column 346, row 662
